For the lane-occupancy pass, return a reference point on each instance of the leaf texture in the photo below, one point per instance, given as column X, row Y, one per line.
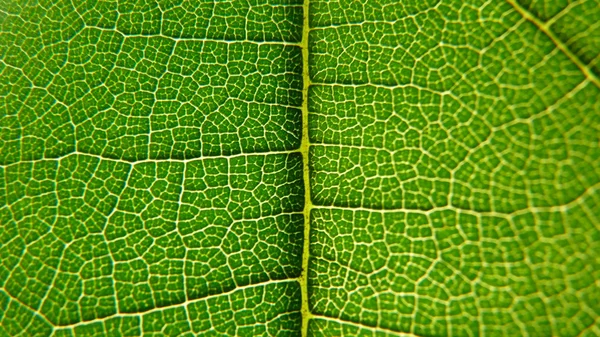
column 148, row 180
column 286, row 168
column 454, row 168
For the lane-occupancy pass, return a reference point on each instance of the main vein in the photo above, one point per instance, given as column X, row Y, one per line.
column 304, row 147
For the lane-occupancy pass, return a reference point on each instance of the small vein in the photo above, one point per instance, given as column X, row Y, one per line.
column 545, row 28
column 176, row 305
column 151, row 160
column 574, row 202
column 364, row 326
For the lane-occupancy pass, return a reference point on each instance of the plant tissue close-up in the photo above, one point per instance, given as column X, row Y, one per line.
column 423, row 168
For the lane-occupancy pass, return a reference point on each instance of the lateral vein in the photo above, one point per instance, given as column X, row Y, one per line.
column 545, row 28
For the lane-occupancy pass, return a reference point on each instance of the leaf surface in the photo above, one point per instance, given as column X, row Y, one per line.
column 454, row 168
column 280, row 168
column 148, row 181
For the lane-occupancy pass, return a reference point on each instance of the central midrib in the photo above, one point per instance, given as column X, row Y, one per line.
column 304, row 149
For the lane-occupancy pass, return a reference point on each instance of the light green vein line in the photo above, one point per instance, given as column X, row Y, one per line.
column 197, row 39
column 304, row 149
column 160, row 160
column 366, row 327
column 170, row 306
column 545, row 28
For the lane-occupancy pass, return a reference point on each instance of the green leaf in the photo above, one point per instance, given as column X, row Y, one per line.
column 148, row 182
column 454, row 168
column 326, row 168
